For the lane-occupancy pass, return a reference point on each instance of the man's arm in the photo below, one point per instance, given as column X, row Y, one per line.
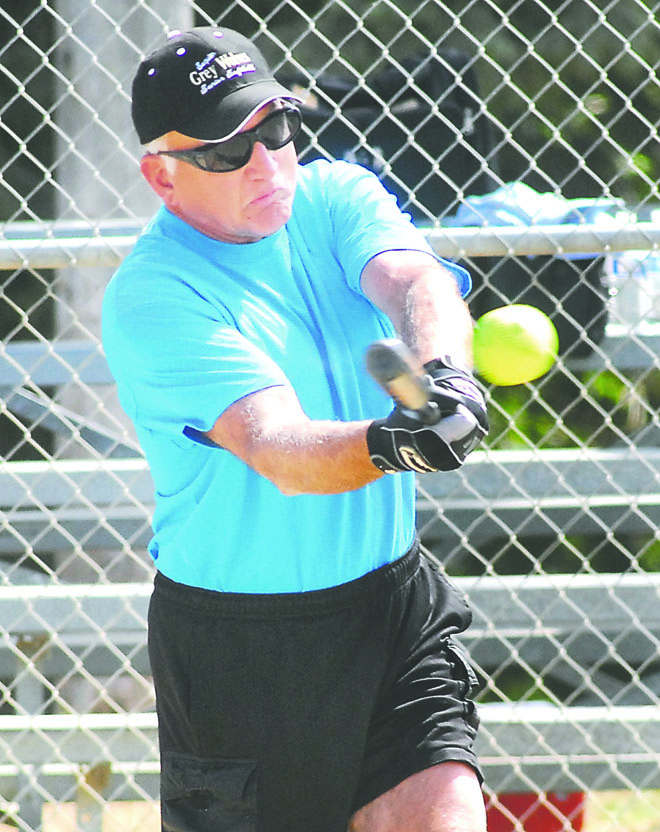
column 421, row 298
column 269, row 431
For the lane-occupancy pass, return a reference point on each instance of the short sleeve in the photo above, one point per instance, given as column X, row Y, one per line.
column 367, row 221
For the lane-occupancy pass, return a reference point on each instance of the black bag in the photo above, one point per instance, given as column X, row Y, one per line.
column 445, row 160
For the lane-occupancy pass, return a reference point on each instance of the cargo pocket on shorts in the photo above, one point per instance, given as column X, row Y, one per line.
column 207, row 795
column 463, row 672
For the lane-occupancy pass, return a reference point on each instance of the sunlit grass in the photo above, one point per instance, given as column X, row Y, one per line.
column 621, row 811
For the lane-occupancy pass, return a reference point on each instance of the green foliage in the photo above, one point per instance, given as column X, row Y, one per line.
column 514, row 684
column 594, row 409
column 649, row 554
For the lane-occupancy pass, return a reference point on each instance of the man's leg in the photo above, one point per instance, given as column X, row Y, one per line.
column 444, row 798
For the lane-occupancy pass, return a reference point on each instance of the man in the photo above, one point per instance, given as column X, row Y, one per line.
column 305, row 674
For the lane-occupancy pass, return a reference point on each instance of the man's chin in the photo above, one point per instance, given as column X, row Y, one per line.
column 269, row 220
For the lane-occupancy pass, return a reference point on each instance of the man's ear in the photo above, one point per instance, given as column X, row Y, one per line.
column 157, row 175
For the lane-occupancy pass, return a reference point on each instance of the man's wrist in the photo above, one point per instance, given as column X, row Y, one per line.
column 447, row 362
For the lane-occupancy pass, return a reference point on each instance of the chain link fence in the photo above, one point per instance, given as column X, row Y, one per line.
column 523, row 136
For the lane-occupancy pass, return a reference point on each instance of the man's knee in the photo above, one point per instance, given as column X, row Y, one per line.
column 444, row 798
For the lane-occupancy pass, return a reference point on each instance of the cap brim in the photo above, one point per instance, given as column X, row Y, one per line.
column 235, row 110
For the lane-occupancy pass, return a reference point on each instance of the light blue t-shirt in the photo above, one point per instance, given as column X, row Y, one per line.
column 191, row 325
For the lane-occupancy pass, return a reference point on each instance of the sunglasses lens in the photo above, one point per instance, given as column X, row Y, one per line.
column 231, row 155
column 275, row 131
column 279, row 129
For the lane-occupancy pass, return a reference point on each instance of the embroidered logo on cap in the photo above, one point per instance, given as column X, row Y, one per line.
column 216, row 69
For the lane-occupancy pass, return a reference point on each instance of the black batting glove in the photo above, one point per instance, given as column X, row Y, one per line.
column 440, row 437
column 451, row 384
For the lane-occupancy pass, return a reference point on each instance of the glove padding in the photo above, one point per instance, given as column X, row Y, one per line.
column 438, row 438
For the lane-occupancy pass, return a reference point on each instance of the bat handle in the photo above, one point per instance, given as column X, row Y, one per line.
column 430, row 414
column 401, row 375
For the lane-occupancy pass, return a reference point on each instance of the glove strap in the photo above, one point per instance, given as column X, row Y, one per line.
column 438, row 367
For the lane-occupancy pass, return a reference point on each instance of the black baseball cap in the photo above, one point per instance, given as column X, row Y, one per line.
column 205, row 83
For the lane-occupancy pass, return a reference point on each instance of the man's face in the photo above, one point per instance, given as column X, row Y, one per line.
column 240, row 206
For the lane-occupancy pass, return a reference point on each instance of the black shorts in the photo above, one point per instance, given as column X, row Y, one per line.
column 287, row 713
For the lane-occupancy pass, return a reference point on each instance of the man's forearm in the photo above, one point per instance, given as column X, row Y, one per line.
column 317, row 458
column 270, row 432
column 422, row 300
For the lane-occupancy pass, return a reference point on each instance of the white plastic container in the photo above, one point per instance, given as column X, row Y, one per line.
column 633, row 282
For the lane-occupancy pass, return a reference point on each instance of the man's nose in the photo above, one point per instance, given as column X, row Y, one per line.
column 262, row 159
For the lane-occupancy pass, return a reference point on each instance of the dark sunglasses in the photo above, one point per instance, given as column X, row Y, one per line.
column 276, row 130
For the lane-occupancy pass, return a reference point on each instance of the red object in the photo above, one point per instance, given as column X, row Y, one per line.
column 536, row 813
